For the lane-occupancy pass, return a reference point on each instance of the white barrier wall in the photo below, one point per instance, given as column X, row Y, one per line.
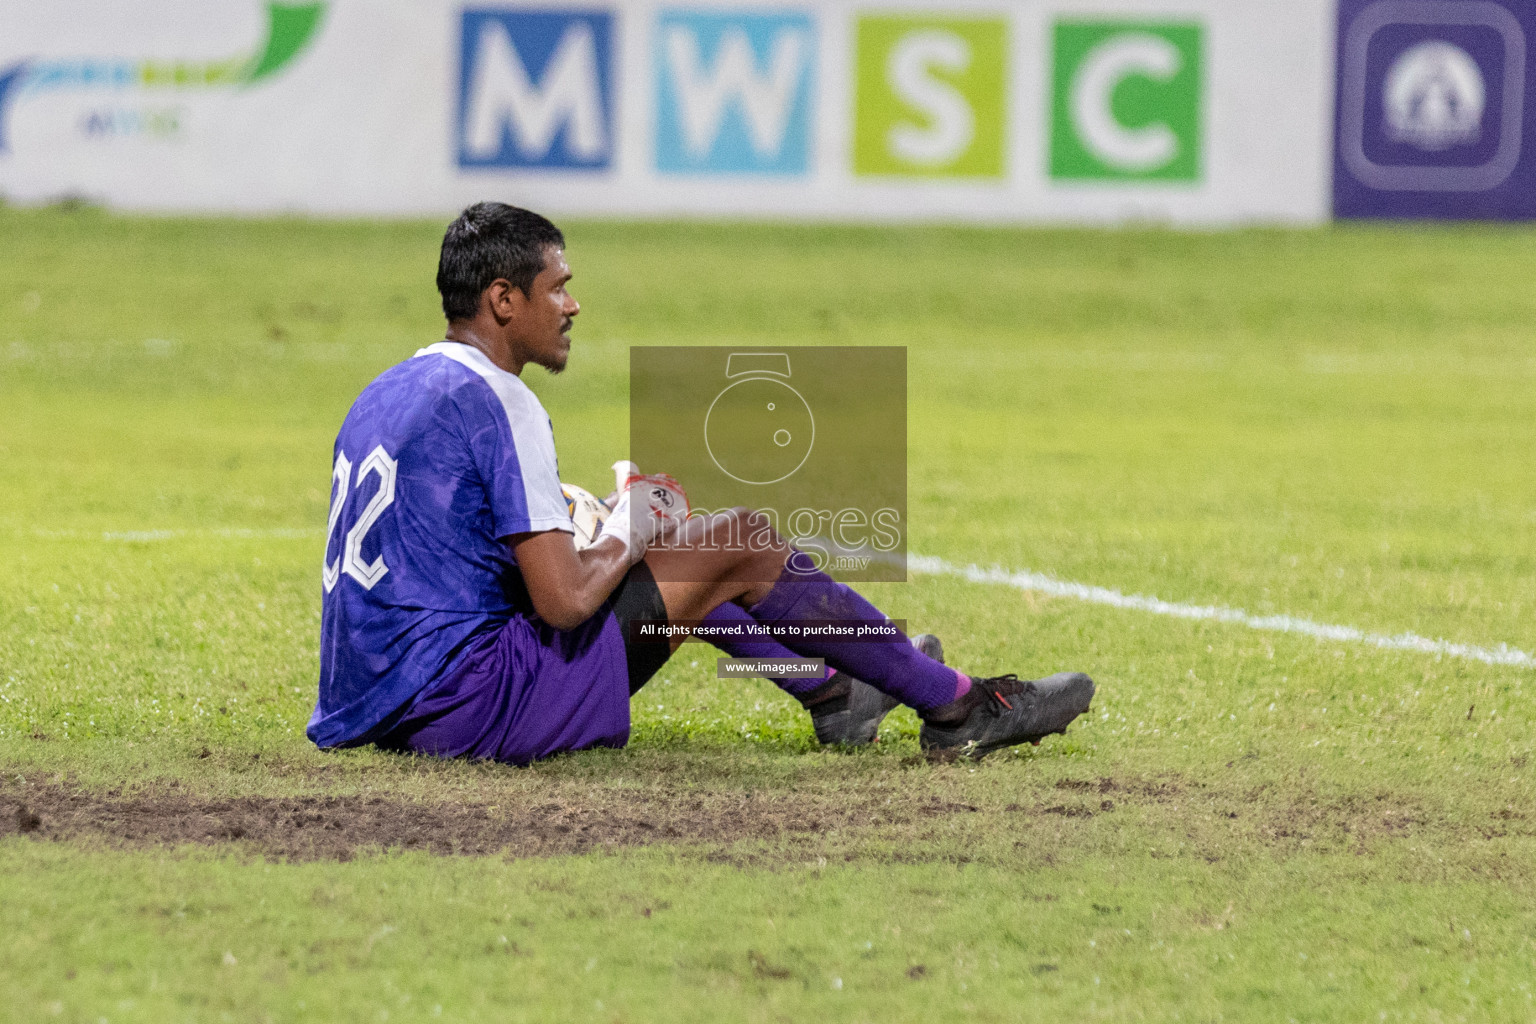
column 1194, row 112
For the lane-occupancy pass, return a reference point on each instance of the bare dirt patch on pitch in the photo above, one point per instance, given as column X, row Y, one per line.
column 948, row 813
column 320, row 827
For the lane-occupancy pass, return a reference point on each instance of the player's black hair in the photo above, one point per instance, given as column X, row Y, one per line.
column 490, row 241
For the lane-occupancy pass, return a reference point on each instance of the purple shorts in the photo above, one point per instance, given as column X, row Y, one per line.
column 524, row 692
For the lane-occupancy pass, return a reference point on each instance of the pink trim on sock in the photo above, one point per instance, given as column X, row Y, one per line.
column 962, row 685
column 830, row 672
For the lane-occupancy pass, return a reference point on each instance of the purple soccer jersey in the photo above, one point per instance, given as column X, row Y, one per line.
column 438, row 461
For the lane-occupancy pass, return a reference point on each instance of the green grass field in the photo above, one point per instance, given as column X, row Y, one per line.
column 1250, row 826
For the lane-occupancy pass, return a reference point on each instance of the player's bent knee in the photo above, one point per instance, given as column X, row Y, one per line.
column 760, row 555
column 734, row 544
column 755, row 533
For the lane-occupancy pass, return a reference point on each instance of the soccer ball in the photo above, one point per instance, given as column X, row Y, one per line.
column 588, row 514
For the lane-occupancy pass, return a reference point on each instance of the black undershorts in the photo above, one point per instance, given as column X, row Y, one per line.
column 638, row 599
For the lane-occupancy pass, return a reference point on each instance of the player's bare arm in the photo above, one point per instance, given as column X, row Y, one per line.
column 568, row 586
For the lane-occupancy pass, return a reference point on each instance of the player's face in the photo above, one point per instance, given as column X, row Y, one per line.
column 546, row 325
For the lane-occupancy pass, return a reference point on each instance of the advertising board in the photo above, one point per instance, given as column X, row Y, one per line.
column 1195, row 112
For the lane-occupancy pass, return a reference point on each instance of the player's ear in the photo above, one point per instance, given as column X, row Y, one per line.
column 505, row 298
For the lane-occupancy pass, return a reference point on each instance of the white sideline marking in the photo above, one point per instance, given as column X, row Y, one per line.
column 1503, row 654
column 1039, row 583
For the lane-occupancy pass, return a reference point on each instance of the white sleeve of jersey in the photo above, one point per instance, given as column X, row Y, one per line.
column 532, row 435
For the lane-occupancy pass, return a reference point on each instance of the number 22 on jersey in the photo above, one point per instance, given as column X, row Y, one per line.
column 350, row 559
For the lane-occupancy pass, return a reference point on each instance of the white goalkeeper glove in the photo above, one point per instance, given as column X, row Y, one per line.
column 648, row 508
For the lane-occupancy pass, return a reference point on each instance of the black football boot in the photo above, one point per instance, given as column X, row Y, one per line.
column 1004, row 711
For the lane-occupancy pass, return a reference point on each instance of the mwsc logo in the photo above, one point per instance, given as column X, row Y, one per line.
column 290, row 28
column 535, row 88
column 1125, row 101
column 733, row 93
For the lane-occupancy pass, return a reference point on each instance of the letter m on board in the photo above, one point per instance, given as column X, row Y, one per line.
column 535, row 88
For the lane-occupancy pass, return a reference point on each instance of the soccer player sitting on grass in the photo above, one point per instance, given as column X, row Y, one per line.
column 460, row 620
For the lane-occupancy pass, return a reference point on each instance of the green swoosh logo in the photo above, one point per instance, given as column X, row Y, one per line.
column 290, row 27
